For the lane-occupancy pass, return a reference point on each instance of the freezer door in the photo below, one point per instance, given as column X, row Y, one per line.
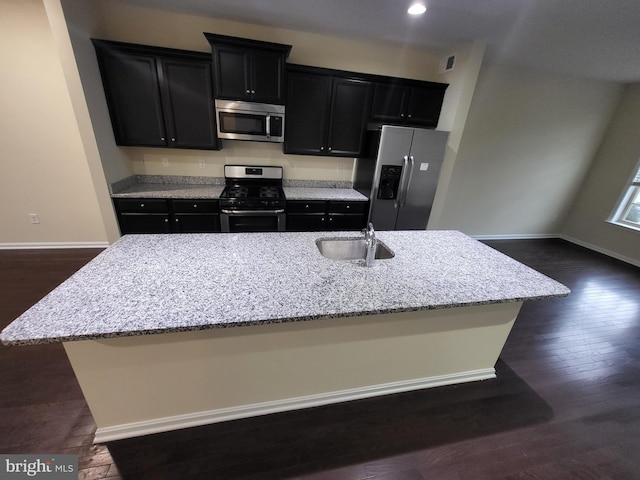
column 425, row 161
column 395, row 145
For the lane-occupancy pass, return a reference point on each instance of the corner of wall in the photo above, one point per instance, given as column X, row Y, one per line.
column 462, row 84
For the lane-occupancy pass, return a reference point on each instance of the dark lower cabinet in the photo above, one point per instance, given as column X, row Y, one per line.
column 306, row 216
column 319, row 215
column 195, row 216
column 167, row 216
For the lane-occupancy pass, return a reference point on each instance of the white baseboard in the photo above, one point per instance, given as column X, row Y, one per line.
column 51, row 245
column 604, row 251
column 165, row 424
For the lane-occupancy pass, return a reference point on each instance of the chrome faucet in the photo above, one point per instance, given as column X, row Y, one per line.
column 370, row 243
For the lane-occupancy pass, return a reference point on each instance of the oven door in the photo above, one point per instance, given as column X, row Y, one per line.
column 252, row 220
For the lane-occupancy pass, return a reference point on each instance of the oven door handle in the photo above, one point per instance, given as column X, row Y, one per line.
column 255, row 213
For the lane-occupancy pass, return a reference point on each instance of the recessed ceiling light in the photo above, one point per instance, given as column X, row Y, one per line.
column 417, row 9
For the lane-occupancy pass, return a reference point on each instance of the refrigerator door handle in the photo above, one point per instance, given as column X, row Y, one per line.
column 402, row 192
column 406, row 187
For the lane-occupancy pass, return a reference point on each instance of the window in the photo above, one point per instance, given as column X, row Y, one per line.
column 628, row 212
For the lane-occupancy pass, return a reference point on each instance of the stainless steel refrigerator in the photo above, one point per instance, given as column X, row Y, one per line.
column 399, row 173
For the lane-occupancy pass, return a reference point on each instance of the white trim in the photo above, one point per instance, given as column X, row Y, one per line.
column 604, row 251
column 51, row 245
column 517, row 236
column 165, row 424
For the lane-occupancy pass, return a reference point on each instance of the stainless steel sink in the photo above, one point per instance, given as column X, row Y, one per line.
column 350, row 248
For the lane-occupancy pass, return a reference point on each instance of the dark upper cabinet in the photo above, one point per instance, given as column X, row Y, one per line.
column 348, row 117
column 131, row 87
column 326, row 113
column 308, row 104
column 158, row 97
column 187, row 95
column 408, row 103
column 248, row 70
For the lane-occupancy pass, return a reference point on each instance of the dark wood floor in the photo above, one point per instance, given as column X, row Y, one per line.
column 565, row 405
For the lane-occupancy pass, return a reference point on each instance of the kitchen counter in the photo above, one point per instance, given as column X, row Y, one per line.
column 172, row 331
column 159, row 190
column 316, row 193
column 184, row 187
column 146, row 284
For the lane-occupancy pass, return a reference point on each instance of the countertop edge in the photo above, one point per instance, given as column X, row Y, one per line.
column 212, row 326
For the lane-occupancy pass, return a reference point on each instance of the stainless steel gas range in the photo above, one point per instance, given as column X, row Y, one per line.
column 253, row 199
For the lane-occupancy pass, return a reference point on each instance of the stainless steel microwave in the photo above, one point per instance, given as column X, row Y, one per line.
column 259, row 122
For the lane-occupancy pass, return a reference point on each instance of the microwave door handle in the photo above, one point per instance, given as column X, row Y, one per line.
column 268, row 129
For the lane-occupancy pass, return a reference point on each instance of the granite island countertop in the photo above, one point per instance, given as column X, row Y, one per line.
column 145, row 284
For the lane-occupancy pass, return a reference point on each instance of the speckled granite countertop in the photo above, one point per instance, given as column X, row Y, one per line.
column 184, row 187
column 158, row 190
column 315, row 193
column 147, row 284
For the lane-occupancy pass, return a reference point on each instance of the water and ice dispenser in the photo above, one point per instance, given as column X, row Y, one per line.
column 389, row 182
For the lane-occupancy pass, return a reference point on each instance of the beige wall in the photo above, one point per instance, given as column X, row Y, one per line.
column 528, row 143
column 614, row 164
column 43, row 165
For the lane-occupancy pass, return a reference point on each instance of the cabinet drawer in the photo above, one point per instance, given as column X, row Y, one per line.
column 347, row 207
column 346, row 222
column 196, row 206
column 194, row 223
column 144, row 223
column 306, row 223
column 142, row 205
column 310, row 206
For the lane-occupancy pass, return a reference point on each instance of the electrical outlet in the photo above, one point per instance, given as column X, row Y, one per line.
column 202, row 163
column 165, row 162
column 34, row 218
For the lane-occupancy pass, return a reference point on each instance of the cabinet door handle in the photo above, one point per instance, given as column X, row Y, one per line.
column 162, row 138
column 166, row 220
column 253, row 91
column 173, row 139
column 409, row 115
column 321, row 148
column 248, row 91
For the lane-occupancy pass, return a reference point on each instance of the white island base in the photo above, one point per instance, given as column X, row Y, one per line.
column 146, row 384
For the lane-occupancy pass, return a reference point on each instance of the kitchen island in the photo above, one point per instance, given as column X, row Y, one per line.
column 171, row 331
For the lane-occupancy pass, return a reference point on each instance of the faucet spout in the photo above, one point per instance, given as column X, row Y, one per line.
column 371, row 244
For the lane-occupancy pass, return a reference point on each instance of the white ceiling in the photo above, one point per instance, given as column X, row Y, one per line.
column 588, row 38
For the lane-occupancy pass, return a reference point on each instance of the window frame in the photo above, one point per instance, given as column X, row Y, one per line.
column 631, row 193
